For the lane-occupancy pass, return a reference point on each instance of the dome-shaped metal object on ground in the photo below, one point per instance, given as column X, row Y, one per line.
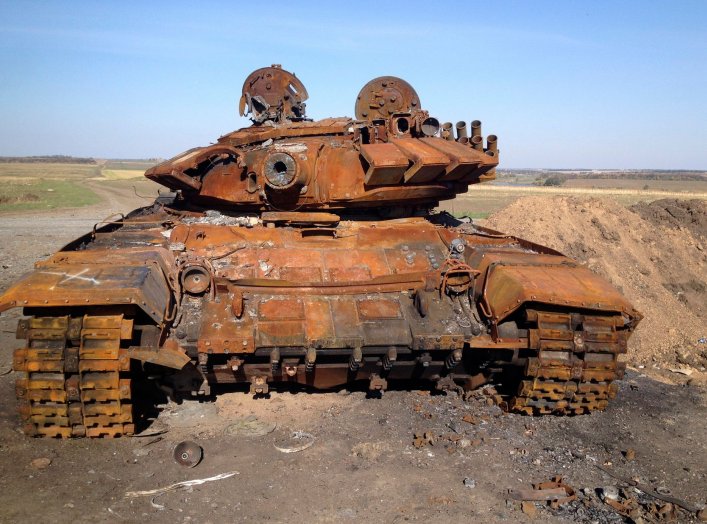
column 188, row 453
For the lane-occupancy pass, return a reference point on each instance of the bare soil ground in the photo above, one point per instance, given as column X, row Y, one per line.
column 362, row 465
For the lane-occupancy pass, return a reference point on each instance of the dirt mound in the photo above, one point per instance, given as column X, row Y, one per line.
column 659, row 264
column 677, row 214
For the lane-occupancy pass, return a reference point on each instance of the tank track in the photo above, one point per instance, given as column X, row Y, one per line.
column 76, row 379
column 575, row 364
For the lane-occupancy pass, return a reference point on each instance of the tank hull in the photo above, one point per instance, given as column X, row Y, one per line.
column 206, row 299
column 305, row 253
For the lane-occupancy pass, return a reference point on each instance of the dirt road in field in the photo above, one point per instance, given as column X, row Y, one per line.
column 362, row 465
column 29, row 236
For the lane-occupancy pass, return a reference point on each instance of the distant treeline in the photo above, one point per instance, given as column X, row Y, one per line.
column 645, row 175
column 48, row 159
column 634, row 174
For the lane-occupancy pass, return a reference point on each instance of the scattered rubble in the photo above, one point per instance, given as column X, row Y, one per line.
column 609, row 493
column 554, row 492
column 421, row 440
column 469, row 482
column 632, row 503
column 215, row 218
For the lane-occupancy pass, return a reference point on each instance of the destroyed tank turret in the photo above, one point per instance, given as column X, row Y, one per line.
column 303, row 252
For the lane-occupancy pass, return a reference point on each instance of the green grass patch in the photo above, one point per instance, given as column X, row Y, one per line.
column 39, row 194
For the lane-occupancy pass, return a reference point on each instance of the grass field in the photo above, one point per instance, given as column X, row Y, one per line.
column 10, row 171
column 35, row 194
column 45, row 186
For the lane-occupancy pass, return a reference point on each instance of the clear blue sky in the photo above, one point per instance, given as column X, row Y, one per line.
column 564, row 84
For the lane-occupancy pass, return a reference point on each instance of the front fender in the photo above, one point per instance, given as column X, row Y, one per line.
column 564, row 284
column 98, row 284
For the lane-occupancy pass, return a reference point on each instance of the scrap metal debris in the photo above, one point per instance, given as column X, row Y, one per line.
column 630, row 507
column 630, row 503
column 153, row 441
column 179, row 485
column 214, row 217
column 651, row 492
column 555, row 493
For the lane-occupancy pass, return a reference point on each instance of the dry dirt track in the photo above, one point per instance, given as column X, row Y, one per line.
column 362, row 465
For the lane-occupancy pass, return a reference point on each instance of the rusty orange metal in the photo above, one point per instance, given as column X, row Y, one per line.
column 301, row 252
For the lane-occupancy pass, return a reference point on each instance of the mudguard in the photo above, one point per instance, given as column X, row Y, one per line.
column 69, row 280
column 511, row 281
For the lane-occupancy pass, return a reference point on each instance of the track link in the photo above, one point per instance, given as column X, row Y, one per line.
column 76, row 379
column 576, row 364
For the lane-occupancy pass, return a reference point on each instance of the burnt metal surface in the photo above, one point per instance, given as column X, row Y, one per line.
column 304, row 253
column 271, row 93
column 383, row 97
column 188, row 453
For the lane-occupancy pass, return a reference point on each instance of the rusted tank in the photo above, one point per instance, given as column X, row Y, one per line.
column 303, row 252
